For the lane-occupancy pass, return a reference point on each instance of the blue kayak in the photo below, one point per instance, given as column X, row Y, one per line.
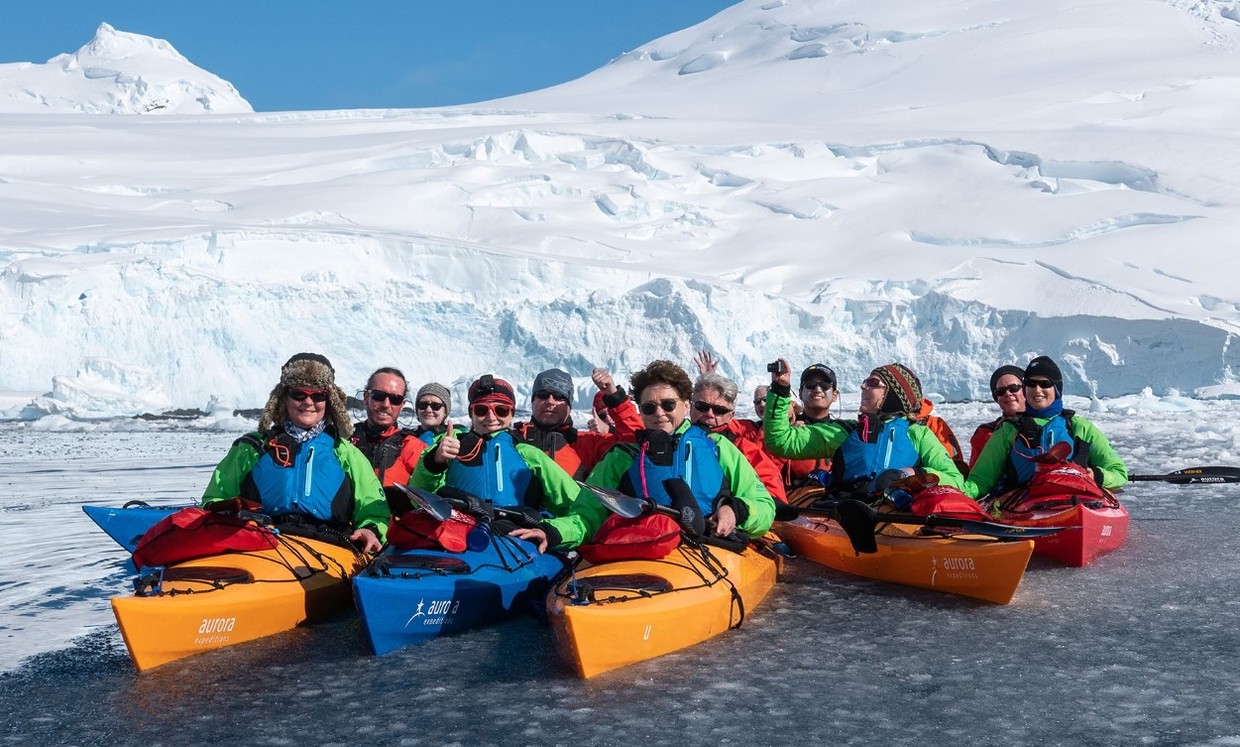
column 127, row 525
column 412, row 596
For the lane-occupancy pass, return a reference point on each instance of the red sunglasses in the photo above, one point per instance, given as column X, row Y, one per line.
column 481, row 411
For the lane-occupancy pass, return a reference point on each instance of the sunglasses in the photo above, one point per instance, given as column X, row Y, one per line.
column 1009, row 389
column 821, row 386
column 759, row 402
column 481, row 411
column 428, row 405
column 377, row 396
column 719, row 410
column 551, row 396
column 1039, row 383
column 873, row 383
column 650, row 408
column 300, row 395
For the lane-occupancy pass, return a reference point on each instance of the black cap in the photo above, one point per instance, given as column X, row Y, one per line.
column 1001, row 371
column 555, row 381
column 822, row 370
column 1046, row 368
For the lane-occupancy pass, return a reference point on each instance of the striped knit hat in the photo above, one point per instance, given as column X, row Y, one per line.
column 903, row 389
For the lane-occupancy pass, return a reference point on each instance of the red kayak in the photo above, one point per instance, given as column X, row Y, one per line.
column 1097, row 526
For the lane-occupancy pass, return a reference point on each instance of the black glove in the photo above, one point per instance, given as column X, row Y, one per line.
column 883, row 480
column 691, row 519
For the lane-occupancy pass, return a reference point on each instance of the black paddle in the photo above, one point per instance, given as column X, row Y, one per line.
column 689, row 518
column 402, row 499
column 440, row 506
column 1193, row 475
column 860, row 520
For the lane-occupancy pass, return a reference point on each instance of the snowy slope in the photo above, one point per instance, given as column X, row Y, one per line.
column 117, row 73
column 854, row 182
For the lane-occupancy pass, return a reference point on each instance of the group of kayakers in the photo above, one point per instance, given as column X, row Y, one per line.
column 676, row 442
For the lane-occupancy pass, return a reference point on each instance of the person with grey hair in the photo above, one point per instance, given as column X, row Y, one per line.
column 714, row 411
column 300, row 466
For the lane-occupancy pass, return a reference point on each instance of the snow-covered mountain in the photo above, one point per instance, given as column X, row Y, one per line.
column 850, row 181
column 117, row 73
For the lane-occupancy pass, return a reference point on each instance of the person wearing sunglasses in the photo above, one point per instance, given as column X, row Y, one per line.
column 431, row 407
column 1007, row 388
column 883, row 437
column 393, row 451
column 1007, row 461
column 818, row 392
column 705, row 468
column 491, row 463
column 301, row 466
column 551, row 429
column 714, row 411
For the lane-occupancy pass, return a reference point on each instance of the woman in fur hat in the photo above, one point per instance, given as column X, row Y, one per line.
column 300, row 465
column 1008, row 461
column 884, row 437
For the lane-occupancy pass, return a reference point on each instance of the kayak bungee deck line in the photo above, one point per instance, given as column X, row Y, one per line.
column 412, row 596
column 207, row 603
column 1091, row 529
column 969, row 565
column 611, row 615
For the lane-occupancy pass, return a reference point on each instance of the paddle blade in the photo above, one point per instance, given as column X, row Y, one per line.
column 617, row 502
column 858, row 521
column 425, row 500
column 1194, row 476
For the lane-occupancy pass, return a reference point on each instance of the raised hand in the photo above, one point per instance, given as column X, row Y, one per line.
column 602, row 380
column 783, row 376
column 706, row 362
column 449, row 445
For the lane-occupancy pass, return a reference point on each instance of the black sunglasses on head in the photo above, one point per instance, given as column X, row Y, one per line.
column 650, row 408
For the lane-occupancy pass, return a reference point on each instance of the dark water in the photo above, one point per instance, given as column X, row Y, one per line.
column 1139, row 648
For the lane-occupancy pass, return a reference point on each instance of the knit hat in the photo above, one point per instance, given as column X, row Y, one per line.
column 488, row 389
column 819, row 370
column 1044, row 367
column 555, row 381
column 436, row 389
column 313, row 371
column 1000, row 372
column 903, row 389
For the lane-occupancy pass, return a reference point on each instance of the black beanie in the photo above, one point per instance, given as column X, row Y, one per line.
column 1045, row 367
column 1000, row 372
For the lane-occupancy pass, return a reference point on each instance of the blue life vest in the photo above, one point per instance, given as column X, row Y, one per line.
column 304, row 478
column 893, row 449
column 695, row 460
column 1033, row 440
column 496, row 473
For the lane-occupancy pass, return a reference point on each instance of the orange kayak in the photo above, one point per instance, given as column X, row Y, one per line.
column 208, row 603
column 608, row 616
column 970, row 565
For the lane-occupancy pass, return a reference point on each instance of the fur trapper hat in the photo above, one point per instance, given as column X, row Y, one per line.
column 311, row 371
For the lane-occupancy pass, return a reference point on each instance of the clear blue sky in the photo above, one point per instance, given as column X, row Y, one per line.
column 314, row 54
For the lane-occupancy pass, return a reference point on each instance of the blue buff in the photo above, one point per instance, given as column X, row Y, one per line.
column 1054, row 409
